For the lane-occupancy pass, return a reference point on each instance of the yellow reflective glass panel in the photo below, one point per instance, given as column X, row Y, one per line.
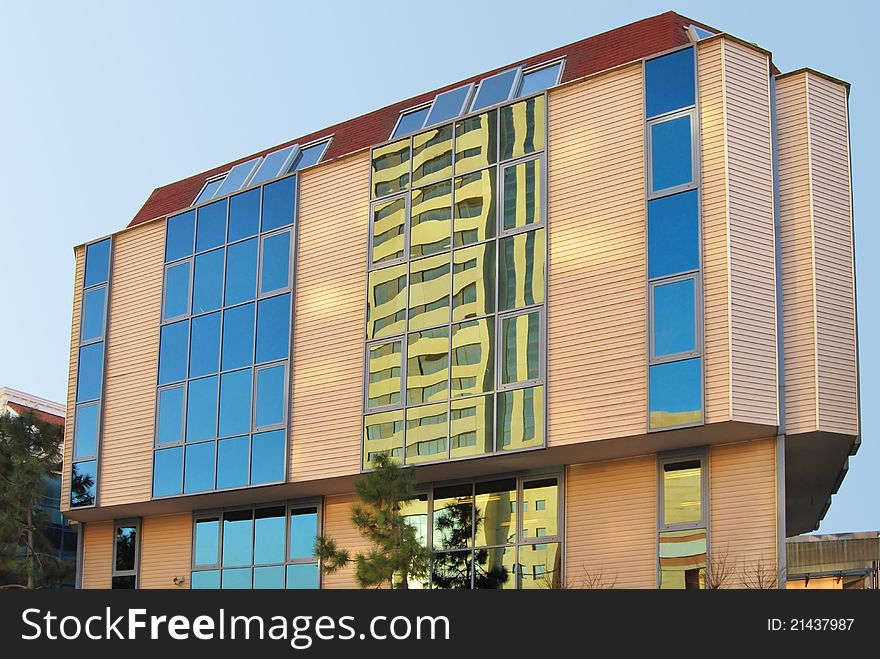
column 415, row 513
column 540, row 508
column 683, row 559
column 432, row 155
column 495, row 568
column 523, row 192
column 471, row 426
column 521, row 270
column 429, row 290
column 390, row 168
column 523, row 127
column 682, row 492
column 386, row 303
column 473, row 281
column 475, row 207
column 473, row 354
column 383, row 433
column 430, row 228
column 520, row 337
column 476, row 142
column 540, row 566
column 495, row 513
column 389, row 220
column 521, row 418
column 453, row 517
column 427, row 366
column 451, row 570
column 426, row 429
column 384, row 362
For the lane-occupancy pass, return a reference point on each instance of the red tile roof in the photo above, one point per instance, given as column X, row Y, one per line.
column 604, row 51
column 40, row 414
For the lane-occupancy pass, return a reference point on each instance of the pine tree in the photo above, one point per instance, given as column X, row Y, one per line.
column 397, row 554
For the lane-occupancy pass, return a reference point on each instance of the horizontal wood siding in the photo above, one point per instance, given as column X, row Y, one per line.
column 338, row 525
column 596, row 290
column 97, row 554
column 67, row 450
column 166, row 542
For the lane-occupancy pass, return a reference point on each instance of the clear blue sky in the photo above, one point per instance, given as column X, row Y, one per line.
column 102, row 102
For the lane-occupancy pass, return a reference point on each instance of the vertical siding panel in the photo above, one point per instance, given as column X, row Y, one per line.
column 79, row 255
column 330, row 319
column 713, row 192
column 752, row 235
column 596, row 291
column 132, row 358
column 742, row 480
column 611, row 523
column 97, row 566
column 165, row 550
column 337, row 525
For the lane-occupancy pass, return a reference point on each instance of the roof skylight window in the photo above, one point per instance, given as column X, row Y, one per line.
column 540, row 79
column 237, row 177
column 210, row 189
column 494, row 90
column 309, row 156
column 411, row 121
column 696, row 33
column 449, row 104
column 275, row 164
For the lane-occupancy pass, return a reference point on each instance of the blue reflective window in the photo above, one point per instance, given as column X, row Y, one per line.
column 673, row 234
column 539, row 79
column 97, row 263
column 176, row 291
column 671, row 154
column 235, row 403
column 273, row 328
column 93, row 314
column 238, row 528
column 85, row 441
column 198, row 472
column 211, row 226
column 279, row 203
column 173, row 352
column 232, row 462
column 241, row 272
column 270, row 396
column 180, row 232
column 238, row 337
column 448, row 105
column 170, row 426
column 207, row 550
column 669, row 82
column 275, row 272
column 167, row 472
column 208, row 282
column 267, row 457
column 673, row 317
column 205, row 580
column 210, row 190
column 269, row 577
column 238, row 579
column 204, row 351
column 83, row 483
column 275, row 164
column 303, row 532
column 244, row 215
column 411, row 121
column 309, row 156
column 494, row 90
column 269, row 535
column 302, row 576
column 676, row 397
column 90, row 378
column 201, row 409
column 237, row 177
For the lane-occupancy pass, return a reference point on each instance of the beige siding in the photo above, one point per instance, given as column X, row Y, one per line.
column 832, row 223
column 742, row 479
column 165, row 550
column 133, row 354
column 611, row 523
column 330, row 316
column 716, row 258
column 596, row 218
column 337, row 525
column 79, row 269
column 798, row 299
column 97, row 566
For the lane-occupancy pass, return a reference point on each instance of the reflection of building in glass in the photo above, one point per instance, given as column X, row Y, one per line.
column 834, row 561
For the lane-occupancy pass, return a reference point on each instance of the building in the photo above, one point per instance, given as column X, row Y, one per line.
column 603, row 298
column 834, row 561
column 61, row 536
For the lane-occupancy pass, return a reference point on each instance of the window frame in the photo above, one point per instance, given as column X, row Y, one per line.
column 254, row 162
column 514, row 87
column 208, row 181
column 190, row 262
column 697, row 351
column 410, row 110
column 674, row 457
column 524, row 71
column 281, row 425
column 501, row 232
column 137, row 523
column 291, row 169
column 691, row 112
column 397, row 338
column 106, row 308
column 499, row 349
column 176, row 385
column 263, row 237
column 469, row 87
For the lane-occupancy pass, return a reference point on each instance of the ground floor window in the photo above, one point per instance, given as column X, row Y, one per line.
column 126, row 554
column 683, row 501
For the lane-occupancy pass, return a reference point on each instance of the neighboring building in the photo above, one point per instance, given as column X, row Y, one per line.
column 58, row 530
column 835, row 561
column 602, row 297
